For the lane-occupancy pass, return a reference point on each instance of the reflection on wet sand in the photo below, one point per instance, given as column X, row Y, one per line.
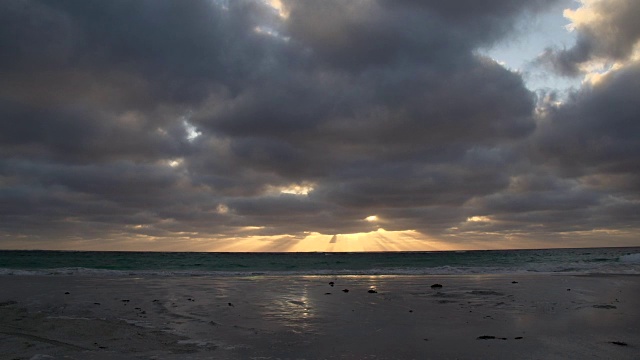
column 306, row 317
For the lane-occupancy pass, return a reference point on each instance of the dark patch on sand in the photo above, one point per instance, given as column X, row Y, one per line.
column 485, row 292
column 605, row 306
column 490, row 337
column 485, row 337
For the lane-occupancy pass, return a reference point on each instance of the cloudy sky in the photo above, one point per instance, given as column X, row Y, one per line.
column 297, row 125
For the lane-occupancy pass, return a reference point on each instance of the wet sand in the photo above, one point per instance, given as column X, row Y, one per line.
column 304, row 317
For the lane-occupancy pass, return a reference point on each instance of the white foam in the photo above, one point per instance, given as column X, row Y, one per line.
column 631, row 258
column 41, row 357
column 627, row 264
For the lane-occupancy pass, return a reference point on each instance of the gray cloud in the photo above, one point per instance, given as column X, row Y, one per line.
column 596, row 129
column 606, row 30
column 585, row 166
column 168, row 119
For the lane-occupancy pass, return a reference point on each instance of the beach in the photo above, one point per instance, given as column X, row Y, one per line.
column 500, row 316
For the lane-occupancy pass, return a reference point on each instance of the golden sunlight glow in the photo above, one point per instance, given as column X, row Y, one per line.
column 251, row 228
column 279, row 7
column 380, row 240
column 222, row 209
column 297, row 190
column 479, row 219
column 597, row 70
column 585, row 14
column 292, row 189
column 175, row 162
column 371, row 218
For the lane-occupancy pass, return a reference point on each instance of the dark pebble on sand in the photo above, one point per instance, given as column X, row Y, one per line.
column 331, row 283
column 514, row 282
column 518, row 337
column 230, row 304
column 125, row 300
column 619, row 343
column 327, row 293
column 410, row 310
column 66, row 293
column 605, row 306
column 568, row 289
column 96, row 303
column 485, row 292
column 436, row 286
column 371, row 291
column 345, row 290
column 485, row 337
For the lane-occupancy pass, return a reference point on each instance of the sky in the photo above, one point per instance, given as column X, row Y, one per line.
column 304, row 125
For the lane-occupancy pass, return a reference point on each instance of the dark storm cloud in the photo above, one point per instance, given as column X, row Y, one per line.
column 358, row 35
column 593, row 138
column 596, row 130
column 199, row 119
column 585, row 167
column 605, row 30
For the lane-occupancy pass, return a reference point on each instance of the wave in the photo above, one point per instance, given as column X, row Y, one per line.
column 628, row 264
column 630, row 258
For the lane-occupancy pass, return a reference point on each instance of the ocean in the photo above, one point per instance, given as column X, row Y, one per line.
column 581, row 261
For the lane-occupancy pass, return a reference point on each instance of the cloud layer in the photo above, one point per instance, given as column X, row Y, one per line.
column 137, row 124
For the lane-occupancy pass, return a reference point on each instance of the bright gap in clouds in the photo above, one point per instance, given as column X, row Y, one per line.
column 292, row 189
column 279, row 7
column 192, row 131
column 379, row 240
column 530, row 40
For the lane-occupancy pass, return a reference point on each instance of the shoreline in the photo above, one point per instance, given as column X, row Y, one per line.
column 500, row 316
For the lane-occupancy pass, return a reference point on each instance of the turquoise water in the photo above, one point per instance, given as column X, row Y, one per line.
column 593, row 260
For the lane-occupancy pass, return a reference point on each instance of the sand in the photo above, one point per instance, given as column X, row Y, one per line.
column 303, row 317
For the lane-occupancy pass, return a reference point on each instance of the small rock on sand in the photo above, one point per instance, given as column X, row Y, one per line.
column 436, row 286
column 485, row 337
column 620, row 343
column 605, row 306
column 345, row 290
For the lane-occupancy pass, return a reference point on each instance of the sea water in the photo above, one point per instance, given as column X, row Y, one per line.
column 582, row 261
